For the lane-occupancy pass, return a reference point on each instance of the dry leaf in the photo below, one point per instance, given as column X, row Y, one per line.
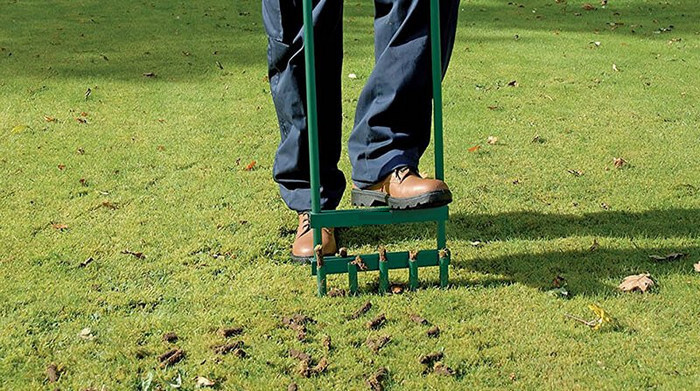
column 352, row 76
column 492, row 140
column 59, row 226
column 81, row 120
column 86, row 334
column 513, row 83
column 83, row 114
column 474, row 148
column 336, row 292
column 250, row 166
column 697, row 267
column 49, row 119
column 202, row 381
column 594, row 246
column 619, row 162
column 61, row 167
column 638, row 282
column 588, row 7
column 396, row 289
column 138, row 255
column 614, row 67
column 576, row 173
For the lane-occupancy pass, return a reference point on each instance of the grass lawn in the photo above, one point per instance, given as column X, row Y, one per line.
column 132, row 212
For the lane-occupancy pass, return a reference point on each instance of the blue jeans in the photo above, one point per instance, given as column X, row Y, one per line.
column 393, row 116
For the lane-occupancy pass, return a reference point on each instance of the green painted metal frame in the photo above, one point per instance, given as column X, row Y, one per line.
column 381, row 261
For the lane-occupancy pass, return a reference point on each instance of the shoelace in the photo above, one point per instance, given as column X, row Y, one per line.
column 403, row 172
column 306, row 224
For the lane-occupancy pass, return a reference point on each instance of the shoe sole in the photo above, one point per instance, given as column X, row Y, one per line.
column 378, row 198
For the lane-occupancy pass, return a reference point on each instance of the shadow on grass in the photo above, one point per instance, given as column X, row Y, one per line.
column 587, row 271
column 186, row 41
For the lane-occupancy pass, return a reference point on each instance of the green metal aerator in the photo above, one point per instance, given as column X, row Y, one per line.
column 382, row 260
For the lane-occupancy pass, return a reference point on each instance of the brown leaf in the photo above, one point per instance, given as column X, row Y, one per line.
column 52, row 373
column 250, row 166
column 376, row 322
column 83, row 114
column 59, row 226
column 638, row 282
column 49, row 119
column 418, row 319
column 474, row 148
column 362, row 310
column 396, row 289
column 170, row 337
column 619, row 162
column 588, row 7
column 376, row 381
column 61, row 167
column 109, row 205
column 376, row 343
column 433, row 332
column 228, row 332
column 138, row 255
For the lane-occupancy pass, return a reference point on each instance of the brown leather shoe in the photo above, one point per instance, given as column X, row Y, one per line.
column 404, row 189
column 303, row 247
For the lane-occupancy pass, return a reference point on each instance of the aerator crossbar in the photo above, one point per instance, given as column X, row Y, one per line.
column 381, row 261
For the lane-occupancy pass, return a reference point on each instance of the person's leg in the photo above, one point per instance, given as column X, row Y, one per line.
column 392, row 122
column 283, row 20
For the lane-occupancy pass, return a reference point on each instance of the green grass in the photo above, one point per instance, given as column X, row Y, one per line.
column 168, row 155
